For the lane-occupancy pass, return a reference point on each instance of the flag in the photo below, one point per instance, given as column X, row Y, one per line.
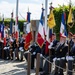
column 11, row 23
column 28, row 37
column 4, row 41
column 41, row 33
column 0, row 36
column 70, row 20
column 63, row 26
column 47, row 41
column 16, row 33
column 2, row 30
column 51, row 20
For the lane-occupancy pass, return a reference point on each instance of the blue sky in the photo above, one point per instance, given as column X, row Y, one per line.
column 7, row 6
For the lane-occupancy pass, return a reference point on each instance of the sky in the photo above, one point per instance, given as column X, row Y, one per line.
column 7, row 6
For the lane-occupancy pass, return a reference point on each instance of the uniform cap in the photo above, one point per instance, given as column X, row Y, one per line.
column 70, row 33
column 53, row 34
column 63, row 36
column 74, row 36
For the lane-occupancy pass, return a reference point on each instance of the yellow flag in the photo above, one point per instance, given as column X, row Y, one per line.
column 51, row 20
column 70, row 17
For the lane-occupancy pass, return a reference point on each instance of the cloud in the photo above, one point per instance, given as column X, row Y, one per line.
column 34, row 7
column 6, row 9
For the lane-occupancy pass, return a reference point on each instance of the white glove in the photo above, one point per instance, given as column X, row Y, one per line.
column 5, row 48
column 54, row 59
column 50, row 46
column 34, row 53
column 41, row 55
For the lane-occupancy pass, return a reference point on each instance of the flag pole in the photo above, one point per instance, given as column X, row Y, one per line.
column 17, row 12
column 16, row 28
column 46, row 2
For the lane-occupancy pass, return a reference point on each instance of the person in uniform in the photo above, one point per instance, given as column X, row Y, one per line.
column 70, row 41
column 71, row 58
column 21, row 48
column 37, row 49
column 33, row 49
column 51, row 47
column 6, row 49
column 42, row 54
column 1, row 48
column 60, row 55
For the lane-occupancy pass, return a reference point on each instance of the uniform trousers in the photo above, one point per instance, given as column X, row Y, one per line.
column 59, row 66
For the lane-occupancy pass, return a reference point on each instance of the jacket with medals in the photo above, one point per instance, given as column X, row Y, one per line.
column 61, row 50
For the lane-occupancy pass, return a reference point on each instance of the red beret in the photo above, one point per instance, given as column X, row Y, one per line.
column 70, row 33
column 74, row 36
column 63, row 36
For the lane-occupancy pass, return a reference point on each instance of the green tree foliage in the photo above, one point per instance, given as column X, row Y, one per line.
column 57, row 13
column 20, row 24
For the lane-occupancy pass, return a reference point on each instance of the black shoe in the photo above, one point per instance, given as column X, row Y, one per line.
column 60, row 74
column 32, row 67
column 40, row 69
column 44, row 73
column 56, row 73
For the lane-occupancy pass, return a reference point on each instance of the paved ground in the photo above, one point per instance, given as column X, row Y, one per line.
column 8, row 67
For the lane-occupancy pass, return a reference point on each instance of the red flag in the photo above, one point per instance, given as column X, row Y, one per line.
column 47, row 41
column 28, row 37
column 16, row 36
column 0, row 35
column 4, row 41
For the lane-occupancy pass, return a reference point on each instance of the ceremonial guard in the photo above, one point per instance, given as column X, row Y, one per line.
column 70, row 41
column 51, row 47
column 71, row 57
column 14, row 47
column 21, row 48
column 6, row 49
column 60, row 55
column 11, row 41
column 42, row 54
column 1, row 48
column 33, row 49
column 36, row 50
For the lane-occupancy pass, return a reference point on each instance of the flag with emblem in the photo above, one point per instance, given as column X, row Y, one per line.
column 51, row 20
column 70, row 20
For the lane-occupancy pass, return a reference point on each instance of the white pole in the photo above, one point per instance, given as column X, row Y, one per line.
column 46, row 2
column 16, row 22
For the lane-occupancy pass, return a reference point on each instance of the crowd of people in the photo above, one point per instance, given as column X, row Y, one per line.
column 61, row 52
column 10, row 48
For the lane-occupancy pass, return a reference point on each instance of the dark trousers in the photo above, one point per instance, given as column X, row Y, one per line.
column 60, row 63
column 32, row 61
column 0, row 53
column 6, row 54
column 47, row 65
column 70, row 67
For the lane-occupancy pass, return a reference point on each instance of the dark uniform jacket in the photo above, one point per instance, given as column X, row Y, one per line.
column 70, row 46
column 61, row 50
column 72, row 52
column 53, row 47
